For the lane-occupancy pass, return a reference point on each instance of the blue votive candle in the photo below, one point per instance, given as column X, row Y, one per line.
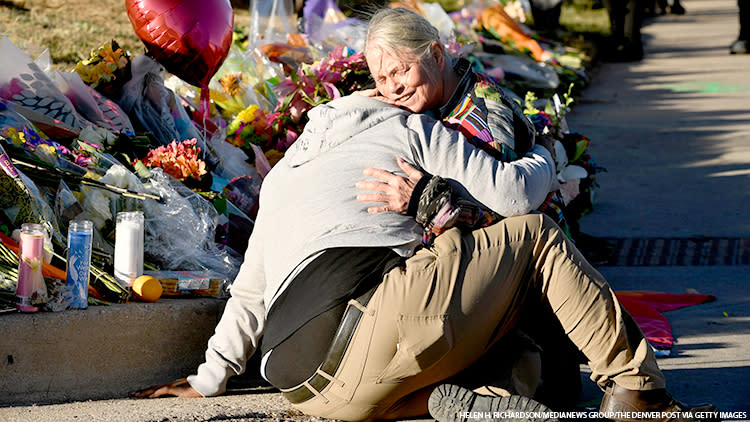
column 80, row 235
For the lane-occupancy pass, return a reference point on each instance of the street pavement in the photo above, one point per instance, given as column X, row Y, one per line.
column 673, row 132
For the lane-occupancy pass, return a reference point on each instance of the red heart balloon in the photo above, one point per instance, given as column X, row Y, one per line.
column 190, row 38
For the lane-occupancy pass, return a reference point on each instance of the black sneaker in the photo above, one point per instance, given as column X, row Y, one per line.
column 451, row 403
column 627, row 51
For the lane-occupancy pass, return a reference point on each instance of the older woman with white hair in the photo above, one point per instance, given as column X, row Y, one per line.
column 412, row 71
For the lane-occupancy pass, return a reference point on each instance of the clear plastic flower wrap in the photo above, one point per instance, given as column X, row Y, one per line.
column 271, row 21
column 180, row 232
column 232, row 160
column 327, row 27
column 240, row 82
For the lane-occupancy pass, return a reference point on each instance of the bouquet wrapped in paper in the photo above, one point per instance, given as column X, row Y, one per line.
column 25, row 83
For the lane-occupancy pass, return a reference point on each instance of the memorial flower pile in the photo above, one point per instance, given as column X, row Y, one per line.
column 118, row 133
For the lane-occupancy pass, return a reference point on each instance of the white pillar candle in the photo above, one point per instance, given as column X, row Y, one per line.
column 128, row 247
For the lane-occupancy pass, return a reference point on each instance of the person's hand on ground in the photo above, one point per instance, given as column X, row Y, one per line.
column 178, row 388
column 393, row 189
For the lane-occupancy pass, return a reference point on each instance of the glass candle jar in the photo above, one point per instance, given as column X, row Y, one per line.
column 31, row 291
column 128, row 247
column 80, row 235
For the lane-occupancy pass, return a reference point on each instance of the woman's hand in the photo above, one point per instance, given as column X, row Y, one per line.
column 179, row 388
column 394, row 190
column 373, row 93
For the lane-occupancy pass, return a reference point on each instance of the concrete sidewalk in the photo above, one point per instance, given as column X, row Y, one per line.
column 673, row 132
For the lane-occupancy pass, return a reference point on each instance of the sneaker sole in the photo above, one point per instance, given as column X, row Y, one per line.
column 452, row 403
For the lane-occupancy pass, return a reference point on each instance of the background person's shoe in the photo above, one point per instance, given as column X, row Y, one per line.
column 452, row 403
column 677, row 9
column 739, row 47
column 619, row 403
column 626, row 51
column 662, row 5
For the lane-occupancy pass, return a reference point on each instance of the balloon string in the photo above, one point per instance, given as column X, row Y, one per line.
column 205, row 103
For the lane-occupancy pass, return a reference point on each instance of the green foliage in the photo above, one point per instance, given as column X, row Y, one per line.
column 580, row 17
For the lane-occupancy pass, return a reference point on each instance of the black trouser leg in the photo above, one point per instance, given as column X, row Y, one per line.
column 616, row 11
column 744, row 6
column 632, row 21
column 625, row 18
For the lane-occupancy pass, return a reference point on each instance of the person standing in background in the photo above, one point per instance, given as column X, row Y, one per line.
column 625, row 18
column 743, row 40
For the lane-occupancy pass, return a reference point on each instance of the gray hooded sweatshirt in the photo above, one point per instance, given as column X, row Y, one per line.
column 308, row 204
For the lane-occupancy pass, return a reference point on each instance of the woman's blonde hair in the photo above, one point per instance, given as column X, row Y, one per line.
column 402, row 33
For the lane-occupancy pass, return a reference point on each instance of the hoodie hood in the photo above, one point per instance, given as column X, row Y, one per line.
column 334, row 123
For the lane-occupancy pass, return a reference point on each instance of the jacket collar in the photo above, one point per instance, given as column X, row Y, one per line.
column 466, row 82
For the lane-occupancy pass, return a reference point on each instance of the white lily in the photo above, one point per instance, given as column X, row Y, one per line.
column 569, row 175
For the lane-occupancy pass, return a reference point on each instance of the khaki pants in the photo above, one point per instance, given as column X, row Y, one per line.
column 435, row 317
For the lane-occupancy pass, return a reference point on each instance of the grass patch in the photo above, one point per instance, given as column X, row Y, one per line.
column 580, row 16
column 70, row 29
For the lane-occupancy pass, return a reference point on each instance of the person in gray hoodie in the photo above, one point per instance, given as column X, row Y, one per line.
column 358, row 321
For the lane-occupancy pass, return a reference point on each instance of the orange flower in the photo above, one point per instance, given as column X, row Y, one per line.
column 180, row 160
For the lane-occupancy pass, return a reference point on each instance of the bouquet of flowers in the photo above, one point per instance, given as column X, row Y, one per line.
column 252, row 126
column 178, row 159
column 107, row 69
column 340, row 73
